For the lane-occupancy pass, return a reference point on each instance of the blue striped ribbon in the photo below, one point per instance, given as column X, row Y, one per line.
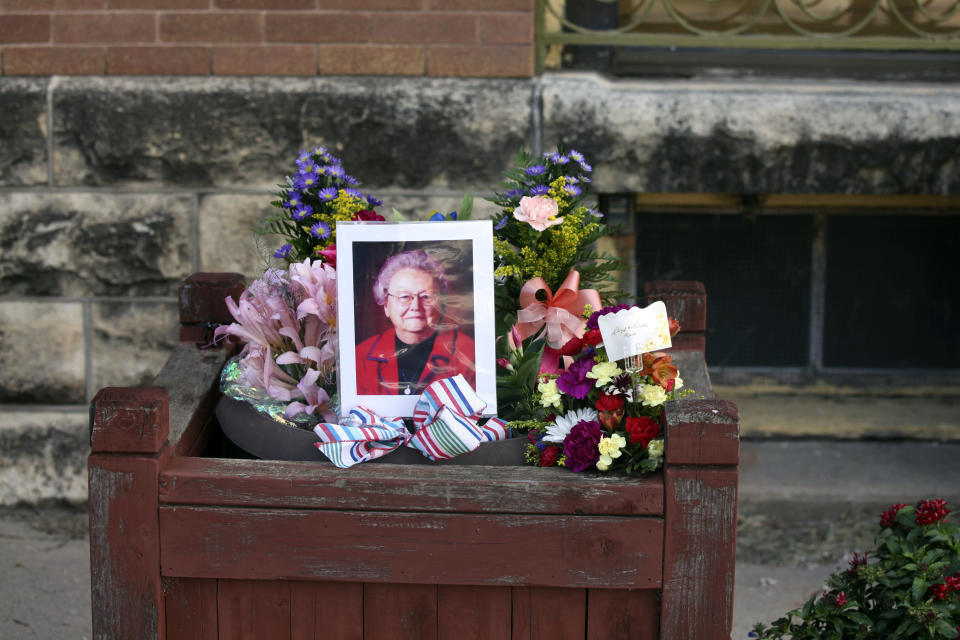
column 446, row 426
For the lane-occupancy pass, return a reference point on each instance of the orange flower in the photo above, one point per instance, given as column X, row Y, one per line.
column 658, row 366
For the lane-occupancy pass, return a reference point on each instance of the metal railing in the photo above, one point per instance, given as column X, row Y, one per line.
column 872, row 25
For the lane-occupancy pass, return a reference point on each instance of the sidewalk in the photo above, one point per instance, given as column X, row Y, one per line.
column 805, row 507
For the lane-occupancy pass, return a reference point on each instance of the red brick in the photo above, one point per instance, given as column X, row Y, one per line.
column 211, row 27
column 159, row 4
column 265, row 4
column 423, row 28
column 104, row 27
column 50, row 5
column 487, row 62
column 369, row 5
column 24, row 28
column 362, row 59
column 158, row 61
column 479, row 5
column 318, row 27
column 270, row 60
column 45, row 61
column 506, row 28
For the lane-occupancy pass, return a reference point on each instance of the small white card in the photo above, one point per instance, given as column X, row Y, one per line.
column 633, row 331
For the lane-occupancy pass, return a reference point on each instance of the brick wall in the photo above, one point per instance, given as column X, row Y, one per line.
column 479, row 38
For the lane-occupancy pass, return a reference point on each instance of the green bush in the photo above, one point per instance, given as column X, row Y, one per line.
column 907, row 587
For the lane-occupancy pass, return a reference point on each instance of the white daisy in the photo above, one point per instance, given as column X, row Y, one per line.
column 557, row 431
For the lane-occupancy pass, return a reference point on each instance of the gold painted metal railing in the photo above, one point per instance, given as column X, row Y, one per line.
column 878, row 25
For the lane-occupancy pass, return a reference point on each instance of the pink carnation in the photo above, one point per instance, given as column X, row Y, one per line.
column 540, row 212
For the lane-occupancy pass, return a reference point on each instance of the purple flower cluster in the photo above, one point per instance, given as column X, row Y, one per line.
column 580, row 446
column 574, row 381
column 592, row 322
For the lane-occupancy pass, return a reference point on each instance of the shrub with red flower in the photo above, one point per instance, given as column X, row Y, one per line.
column 905, row 588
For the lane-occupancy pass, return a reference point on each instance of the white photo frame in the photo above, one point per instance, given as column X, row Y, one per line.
column 381, row 341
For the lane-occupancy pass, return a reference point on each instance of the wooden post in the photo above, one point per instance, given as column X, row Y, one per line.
column 686, row 301
column 129, row 430
column 700, row 511
column 202, row 303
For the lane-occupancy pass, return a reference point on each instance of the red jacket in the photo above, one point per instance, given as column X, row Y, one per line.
column 452, row 353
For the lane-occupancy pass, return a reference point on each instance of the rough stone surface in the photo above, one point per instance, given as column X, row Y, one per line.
column 226, row 241
column 214, row 132
column 131, row 341
column 43, row 455
column 23, row 131
column 94, row 244
column 758, row 137
column 42, row 351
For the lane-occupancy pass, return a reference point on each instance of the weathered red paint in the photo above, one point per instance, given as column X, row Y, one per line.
column 189, row 547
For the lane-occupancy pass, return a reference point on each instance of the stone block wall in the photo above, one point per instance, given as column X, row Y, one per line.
column 112, row 190
column 478, row 38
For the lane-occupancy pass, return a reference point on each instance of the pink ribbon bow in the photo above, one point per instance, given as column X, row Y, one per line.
column 560, row 312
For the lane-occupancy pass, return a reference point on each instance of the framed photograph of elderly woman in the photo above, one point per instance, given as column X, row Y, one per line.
column 415, row 305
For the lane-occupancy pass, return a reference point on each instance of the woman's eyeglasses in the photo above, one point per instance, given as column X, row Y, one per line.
column 405, row 298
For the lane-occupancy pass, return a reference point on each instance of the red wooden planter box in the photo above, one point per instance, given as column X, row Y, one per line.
column 184, row 545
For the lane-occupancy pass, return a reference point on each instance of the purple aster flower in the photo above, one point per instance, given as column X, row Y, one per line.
column 303, row 158
column 592, row 322
column 586, row 167
column 595, row 213
column 574, row 381
column 572, row 179
column 353, row 192
column 576, row 155
column 294, row 200
column 350, row 180
column 581, row 445
column 327, row 194
column 502, row 223
column 514, row 193
column 572, row 190
column 374, row 202
column 334, row 170
column 320, row 230
column 535, row 170
column 283, row 251
column 585, row 179
column 302, row 212
column 559, row 158
column 539, row 190
column 305, row 181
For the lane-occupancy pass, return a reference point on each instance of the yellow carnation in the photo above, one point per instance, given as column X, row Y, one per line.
column 604, row 372
column 652, row 395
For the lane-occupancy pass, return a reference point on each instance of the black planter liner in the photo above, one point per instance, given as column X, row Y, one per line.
column 263, row 438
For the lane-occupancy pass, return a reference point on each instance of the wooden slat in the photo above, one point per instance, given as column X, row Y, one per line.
column 191, row 609
column 191, row 376
column 473, row 613
column 622, row 614
column 542, row 613
column 326, row 610
column 129, row 420
column 254, row 609
column 699, row 553
column 471, row 489
column 399, row 611
column 465, row 549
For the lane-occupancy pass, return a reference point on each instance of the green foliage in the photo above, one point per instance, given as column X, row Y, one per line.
column 516, row 384
column 909, row 588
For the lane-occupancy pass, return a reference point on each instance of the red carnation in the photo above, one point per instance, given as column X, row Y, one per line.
column 607, row 402
column 368, row 215
column 548, row 457
column 573, row 346
column 642, row 430
column 593, row 337
column 889, row 517
column 931, row 511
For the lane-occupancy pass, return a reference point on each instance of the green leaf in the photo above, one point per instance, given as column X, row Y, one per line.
column 397, row 216
column 466, row 206
column 918, row 589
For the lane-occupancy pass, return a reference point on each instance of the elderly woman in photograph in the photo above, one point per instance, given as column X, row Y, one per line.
column 422, row 345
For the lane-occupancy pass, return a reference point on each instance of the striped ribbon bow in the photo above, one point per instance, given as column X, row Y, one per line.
column 446, row 426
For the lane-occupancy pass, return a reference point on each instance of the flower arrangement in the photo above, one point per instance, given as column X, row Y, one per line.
column 319, row 194
column 908, row 587
column 287, row 322
column 544, row 230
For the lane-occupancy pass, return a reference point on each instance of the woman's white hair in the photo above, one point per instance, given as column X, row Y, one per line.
column 419, row 260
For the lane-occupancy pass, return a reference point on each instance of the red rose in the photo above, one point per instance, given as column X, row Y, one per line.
column 607, row 402
column 573, row 346
column 593, row 337
column 367, row 215
column 548, row 457
column 642, row 430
